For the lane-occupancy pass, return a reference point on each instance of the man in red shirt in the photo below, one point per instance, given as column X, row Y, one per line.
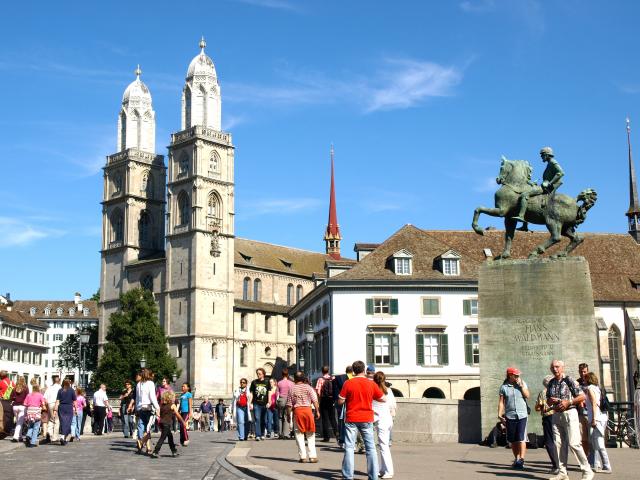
column 6, row 410
column 358, row 394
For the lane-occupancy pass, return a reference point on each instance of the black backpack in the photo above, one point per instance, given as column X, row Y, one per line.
column 604, row 401
column 327, row 388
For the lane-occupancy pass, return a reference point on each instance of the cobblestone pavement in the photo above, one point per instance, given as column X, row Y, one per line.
column 435, row 461
column 112, row 457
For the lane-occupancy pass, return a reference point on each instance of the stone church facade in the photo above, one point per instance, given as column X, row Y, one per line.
column 169, row 227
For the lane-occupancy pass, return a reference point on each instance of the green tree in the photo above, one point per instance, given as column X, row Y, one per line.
column 134, row 332
column 96, row 296
column 69, row 355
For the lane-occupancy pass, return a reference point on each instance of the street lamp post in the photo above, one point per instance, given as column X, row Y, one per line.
column 301, row 362
column 85, row 337
column 309, row 338
column 143, row 361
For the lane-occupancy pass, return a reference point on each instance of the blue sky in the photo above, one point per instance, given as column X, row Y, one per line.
column 420, row 99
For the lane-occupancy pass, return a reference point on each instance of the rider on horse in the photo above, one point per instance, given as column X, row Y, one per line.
column 551, row 177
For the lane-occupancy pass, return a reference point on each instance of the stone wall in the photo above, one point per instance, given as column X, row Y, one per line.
column 425, row 420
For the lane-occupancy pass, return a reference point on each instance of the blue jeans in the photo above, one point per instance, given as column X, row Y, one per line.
column 143, row 420
column 272, row 421
column 76, row 424
column 33, row 432
column 351, row 433
column 241, row 419
column 127, row 425
column 259, row 414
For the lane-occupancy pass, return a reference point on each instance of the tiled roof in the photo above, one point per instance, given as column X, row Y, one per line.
column 20, row 319
column 614, row 259
column 287, row 260
column 25, row 306
column 260, row 306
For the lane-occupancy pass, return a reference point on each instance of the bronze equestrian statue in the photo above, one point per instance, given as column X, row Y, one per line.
column 520, row 199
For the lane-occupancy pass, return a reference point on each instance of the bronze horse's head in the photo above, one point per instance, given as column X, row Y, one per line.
column 514, row 172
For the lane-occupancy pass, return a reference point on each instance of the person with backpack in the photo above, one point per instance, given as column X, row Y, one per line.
column 547, row 425
column 240, row 409
column 597, row 417
column 324, row 389
column 563, row 396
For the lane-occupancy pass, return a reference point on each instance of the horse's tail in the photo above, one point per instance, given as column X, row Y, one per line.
column 588, row 198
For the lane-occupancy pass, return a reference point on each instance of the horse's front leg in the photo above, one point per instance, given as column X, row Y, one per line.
column 509, row 232
column 494, row 212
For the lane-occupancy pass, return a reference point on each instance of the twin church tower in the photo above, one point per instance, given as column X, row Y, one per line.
column 170, row 228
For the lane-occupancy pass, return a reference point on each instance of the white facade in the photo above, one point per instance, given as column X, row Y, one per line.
column 22, row 346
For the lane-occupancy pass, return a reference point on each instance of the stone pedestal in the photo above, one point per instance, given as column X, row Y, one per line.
column 531, row 312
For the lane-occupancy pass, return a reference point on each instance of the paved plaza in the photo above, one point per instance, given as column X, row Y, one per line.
column 213, row 456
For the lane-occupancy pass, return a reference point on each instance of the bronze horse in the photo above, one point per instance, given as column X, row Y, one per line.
column 560, row 213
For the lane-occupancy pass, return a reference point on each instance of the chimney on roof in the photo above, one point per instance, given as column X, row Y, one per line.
column 332, row 235
column 77, row 298
column 633, row 214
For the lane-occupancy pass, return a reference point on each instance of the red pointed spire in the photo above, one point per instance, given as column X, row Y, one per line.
column 332, row 235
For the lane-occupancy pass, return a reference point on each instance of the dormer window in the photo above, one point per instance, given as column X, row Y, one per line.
column 32, row 311
column 450, row 263
column 47, row 311
column 402, row 262
column 85, row 311
column 72, row 312
column 59, row 311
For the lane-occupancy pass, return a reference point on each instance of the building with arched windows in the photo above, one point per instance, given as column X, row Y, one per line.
column 169, row 227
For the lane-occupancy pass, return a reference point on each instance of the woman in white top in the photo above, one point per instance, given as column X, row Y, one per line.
column 383, row 421
column 146, row 407
column 598, row 457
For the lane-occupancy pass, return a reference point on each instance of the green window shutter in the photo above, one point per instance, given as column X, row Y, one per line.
column 468, row 348
column 430, row 306
column 393, row 305
column 368, row 306
column 466, row 307
column 420, row 349
column 370, row 349
column 395, row 349
column 444, row 349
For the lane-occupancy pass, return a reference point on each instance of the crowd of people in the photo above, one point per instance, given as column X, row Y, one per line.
column 349, row 408
column 57, row 414
column 574, row 417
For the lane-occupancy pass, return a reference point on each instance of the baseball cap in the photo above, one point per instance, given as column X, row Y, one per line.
column 513, row 371
column 371, row 368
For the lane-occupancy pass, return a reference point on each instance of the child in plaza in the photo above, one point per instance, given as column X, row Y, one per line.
column 168, row 410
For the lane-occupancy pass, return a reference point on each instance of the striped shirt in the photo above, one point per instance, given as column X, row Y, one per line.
column 301, row 395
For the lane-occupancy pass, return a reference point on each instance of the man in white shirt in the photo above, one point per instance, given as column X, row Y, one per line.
column 50, row 396
column 100, row 405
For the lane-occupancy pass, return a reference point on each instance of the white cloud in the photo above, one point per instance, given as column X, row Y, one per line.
column 275, row 4
column 229, row 121
column 280, row 206
column 401, row 83
column 486, row 185
column 410, row 82
column 478, row 6
column 15, row 232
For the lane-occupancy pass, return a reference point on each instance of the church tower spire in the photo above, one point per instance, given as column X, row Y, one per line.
column 332, row 235
column 634, row 209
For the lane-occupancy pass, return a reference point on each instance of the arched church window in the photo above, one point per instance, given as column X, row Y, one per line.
column 243, row 355
column 183, row 208
column 202, row 99
column 214, row 163
column 298, row 293
column 117, row 226
column 187, row 107
column 137, row 124
column 123, row 131
column 615, row 347
column 147, row 282
column 246, row 283
column 183, row 167
column 144, row 229
column 290, row 294
column 212, row 205
column 117, row 183
column 147, row 184
column 257, row 290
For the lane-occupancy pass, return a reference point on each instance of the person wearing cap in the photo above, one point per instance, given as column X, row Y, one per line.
column 512, row 409
column 371, row 371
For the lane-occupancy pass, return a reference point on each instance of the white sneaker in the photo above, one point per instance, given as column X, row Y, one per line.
column 386, row 475
column 588, row 475
column 560, row 476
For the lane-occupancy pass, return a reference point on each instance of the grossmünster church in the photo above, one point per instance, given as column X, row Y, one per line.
column 168, row 226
